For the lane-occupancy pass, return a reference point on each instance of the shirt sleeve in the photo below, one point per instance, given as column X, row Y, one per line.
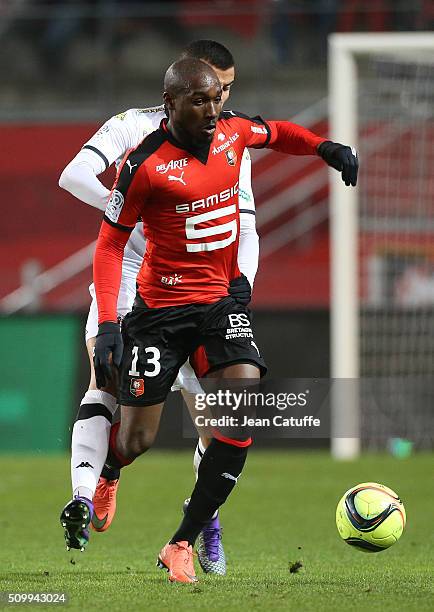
column 115, row 137
column 80, row 179
column 107, row 270
column 282, row 136
column 130, row 193
column 248, row 248
column 246, row 199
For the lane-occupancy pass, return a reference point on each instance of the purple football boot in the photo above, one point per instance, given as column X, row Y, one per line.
column 209, row 547
column 75, row 519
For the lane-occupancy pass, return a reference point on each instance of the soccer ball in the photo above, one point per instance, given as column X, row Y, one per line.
column 370, row 517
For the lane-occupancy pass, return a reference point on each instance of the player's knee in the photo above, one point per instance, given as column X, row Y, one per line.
column 96, row 402
column 138, row 442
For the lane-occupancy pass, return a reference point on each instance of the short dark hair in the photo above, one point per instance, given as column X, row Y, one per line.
column 185, row 73
column 211, row 51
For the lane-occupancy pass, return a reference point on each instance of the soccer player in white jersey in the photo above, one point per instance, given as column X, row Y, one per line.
column 91, row 430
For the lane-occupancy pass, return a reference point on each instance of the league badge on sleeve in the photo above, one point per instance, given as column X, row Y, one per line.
column 114, row 206
column 137, row 387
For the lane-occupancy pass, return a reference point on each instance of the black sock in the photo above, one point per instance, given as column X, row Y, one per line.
column 218, row 473
column 109, row 472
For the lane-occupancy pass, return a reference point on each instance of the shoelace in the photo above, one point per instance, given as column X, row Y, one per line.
column 190, row 553
column 111, row 488
column 211, row 538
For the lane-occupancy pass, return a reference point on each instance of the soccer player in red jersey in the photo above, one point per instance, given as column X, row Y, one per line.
column 90, row 434
column 182, row 181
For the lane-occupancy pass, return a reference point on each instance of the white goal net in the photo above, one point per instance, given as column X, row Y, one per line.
column 388, row 303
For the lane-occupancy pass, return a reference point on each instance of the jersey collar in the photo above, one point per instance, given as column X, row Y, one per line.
column 200, row 153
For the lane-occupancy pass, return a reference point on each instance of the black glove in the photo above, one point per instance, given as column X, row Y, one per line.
column 341, row 158
column 240, row 290
column 108, row 344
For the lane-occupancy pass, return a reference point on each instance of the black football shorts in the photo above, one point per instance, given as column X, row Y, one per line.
column 158, row 341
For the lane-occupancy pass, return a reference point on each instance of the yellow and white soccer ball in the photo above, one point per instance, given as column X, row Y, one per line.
column 370, row 517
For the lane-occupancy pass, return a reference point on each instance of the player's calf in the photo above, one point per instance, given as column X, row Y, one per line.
column 219, row 470
column 125, row 444
column 90, row 441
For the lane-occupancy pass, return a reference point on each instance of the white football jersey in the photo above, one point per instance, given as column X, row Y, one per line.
column 124, row 132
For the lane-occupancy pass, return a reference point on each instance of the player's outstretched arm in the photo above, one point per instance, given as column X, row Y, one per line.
column 292, row 138
column 287, row 137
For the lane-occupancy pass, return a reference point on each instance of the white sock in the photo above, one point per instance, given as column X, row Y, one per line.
column 89, row 445
column 198, row 454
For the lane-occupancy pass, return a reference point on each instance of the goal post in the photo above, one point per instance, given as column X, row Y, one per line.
column 346, row 53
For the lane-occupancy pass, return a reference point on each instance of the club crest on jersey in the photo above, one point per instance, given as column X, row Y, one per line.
column 174, row 164
column 231, row 156
column 137, row 387
column 114, row 206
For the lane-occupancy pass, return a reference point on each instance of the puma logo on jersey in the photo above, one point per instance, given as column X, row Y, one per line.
column 130, row 166
column 174, row 164
column 177, row 178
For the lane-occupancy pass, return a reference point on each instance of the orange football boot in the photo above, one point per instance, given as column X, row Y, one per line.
column 104, row 503
column 177, row 559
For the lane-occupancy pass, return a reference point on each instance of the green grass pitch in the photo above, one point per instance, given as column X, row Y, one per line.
column 281, row 512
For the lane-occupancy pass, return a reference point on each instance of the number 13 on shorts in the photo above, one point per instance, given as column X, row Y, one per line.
column 153, row 365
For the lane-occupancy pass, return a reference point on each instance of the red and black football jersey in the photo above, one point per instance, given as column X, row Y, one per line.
column 188, row 202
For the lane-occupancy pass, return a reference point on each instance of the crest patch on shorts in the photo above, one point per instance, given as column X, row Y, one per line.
column 137, row 387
